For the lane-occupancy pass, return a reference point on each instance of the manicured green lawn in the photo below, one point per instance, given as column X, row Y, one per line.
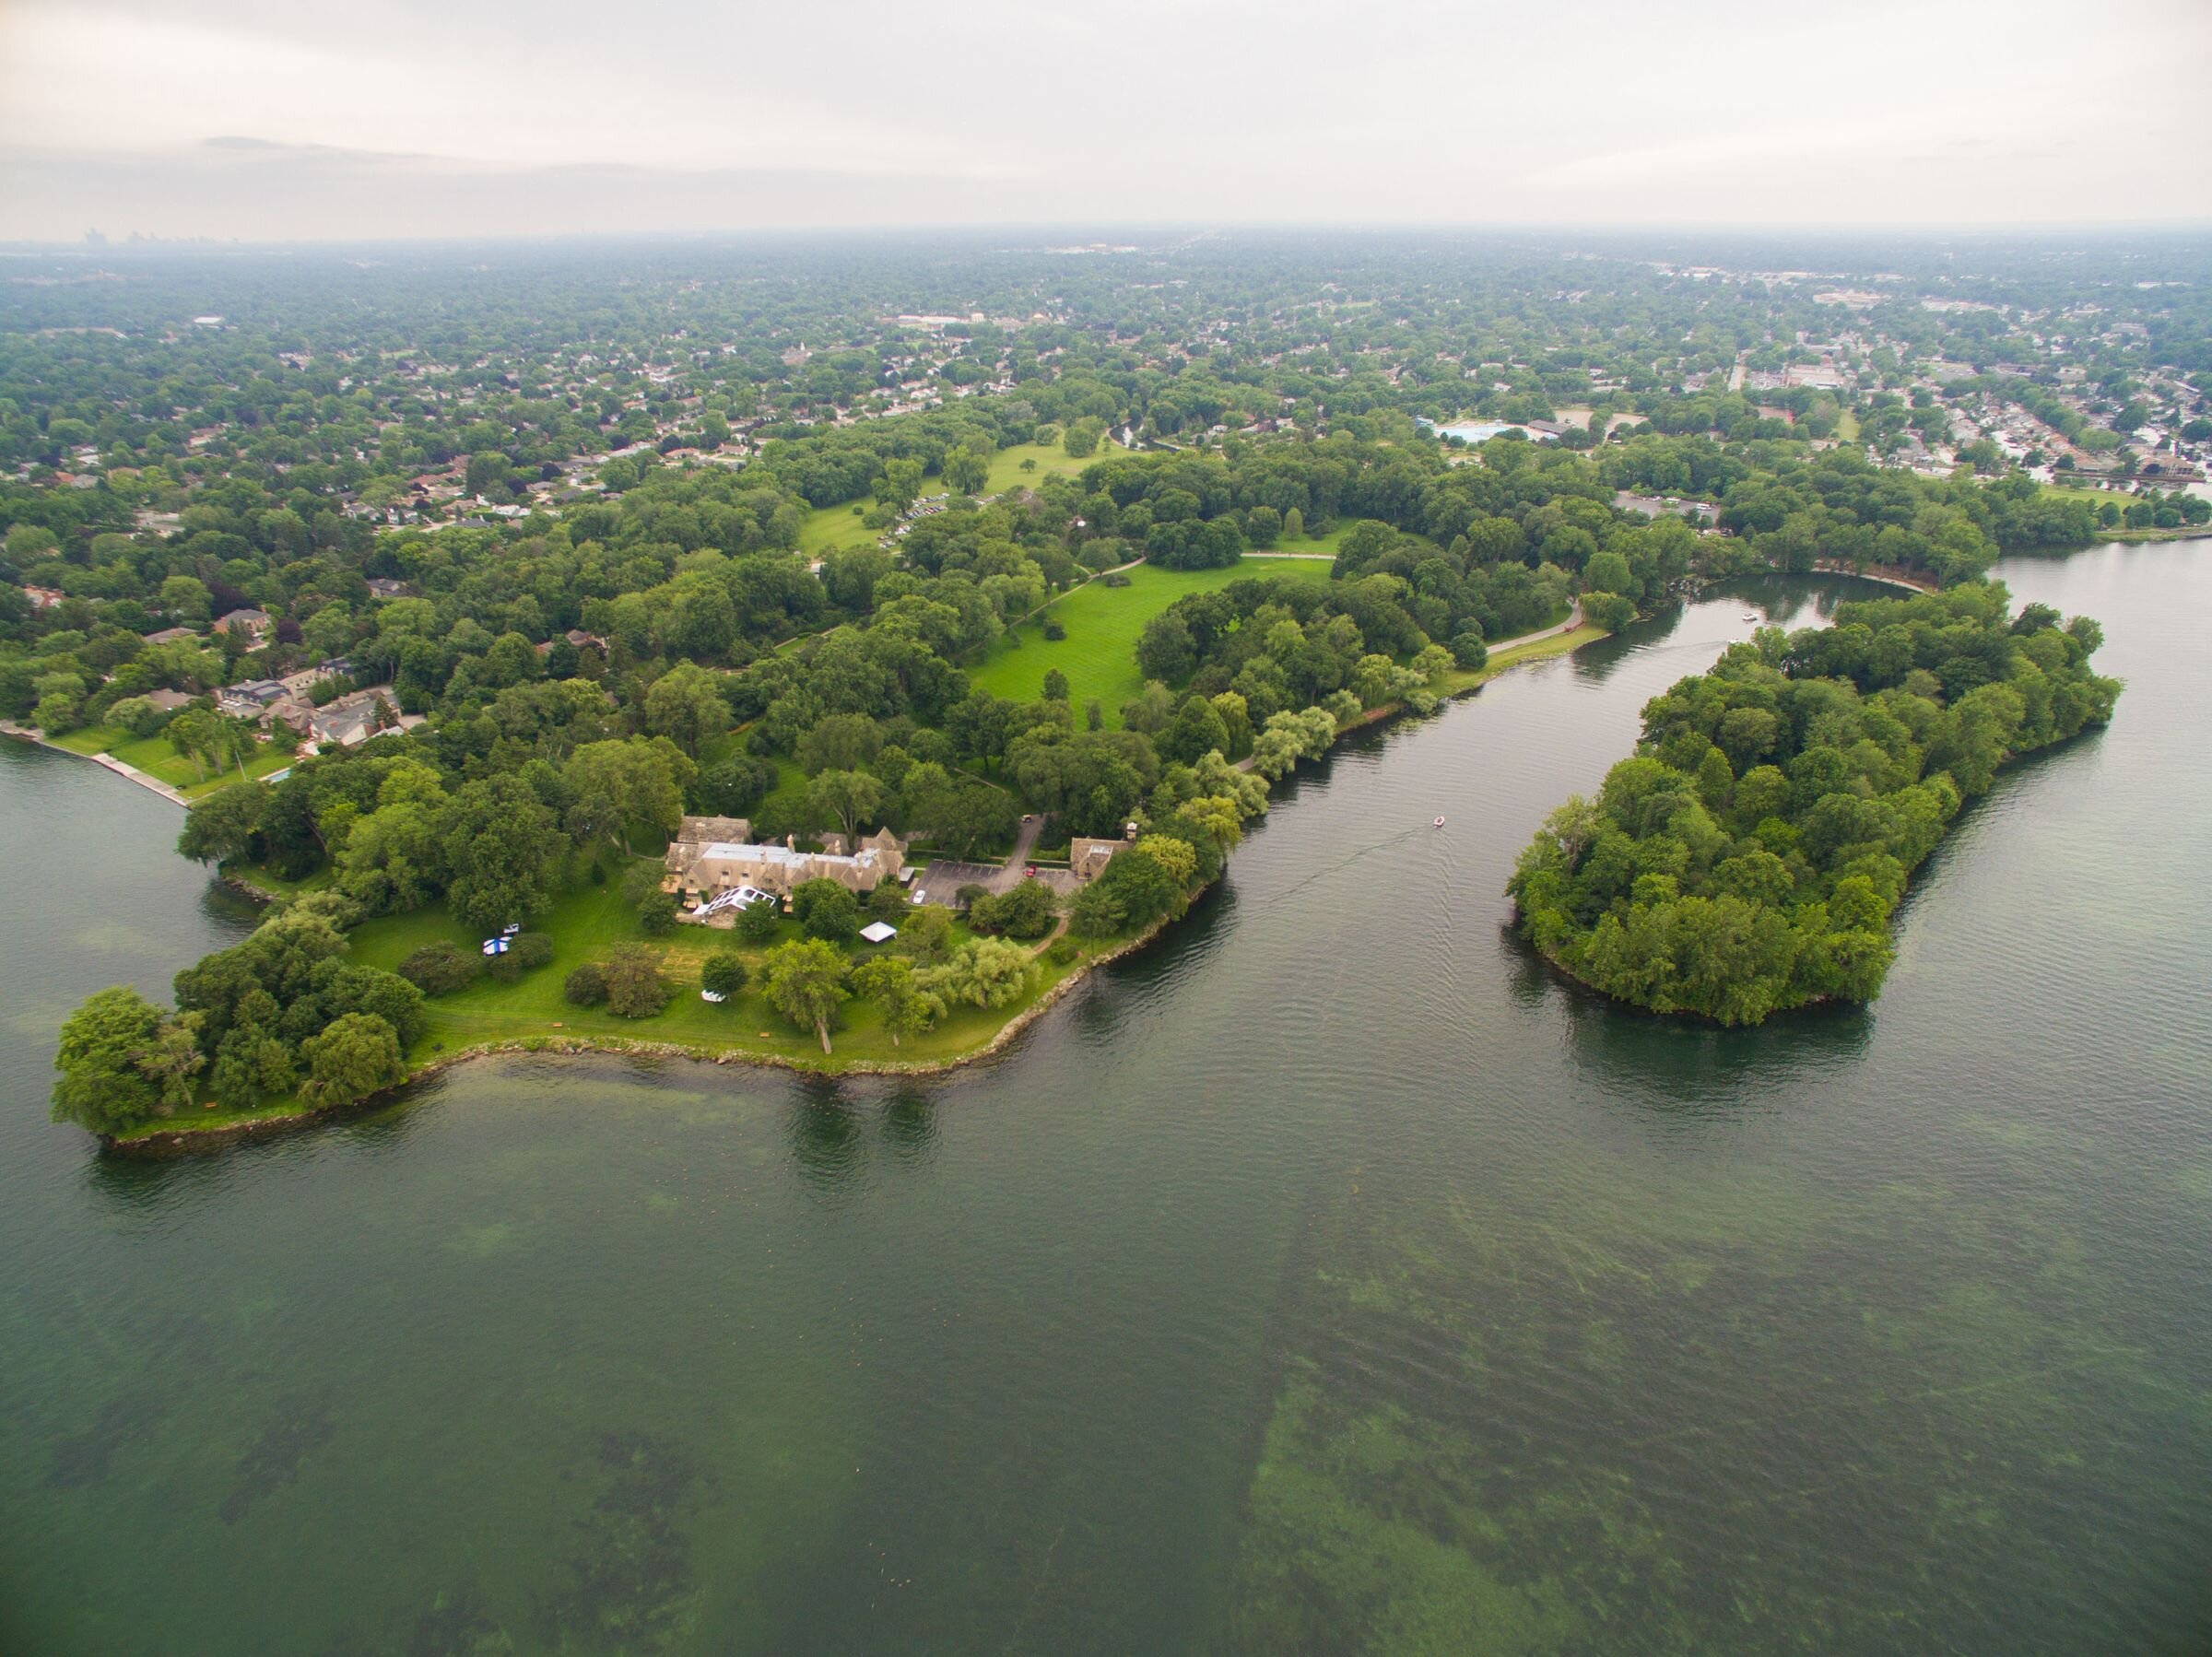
column 2059, row 491
column 828, row 526
column 1008, row 473
column 153, row 755
column 1099, row 655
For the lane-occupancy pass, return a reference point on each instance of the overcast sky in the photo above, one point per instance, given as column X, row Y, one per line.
column 292, row 119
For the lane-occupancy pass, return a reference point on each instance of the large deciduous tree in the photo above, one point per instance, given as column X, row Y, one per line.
column 104, row 1086
column 506, row 852
column 354, row 1055
column 804, row 982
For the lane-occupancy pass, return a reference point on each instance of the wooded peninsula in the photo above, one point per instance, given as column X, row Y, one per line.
column 565, row 678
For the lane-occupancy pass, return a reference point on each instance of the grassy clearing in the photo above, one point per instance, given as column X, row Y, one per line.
column 828, row 526
column 277, row 886
column 1328, row 542
column 840, row 525
column 2059, row 491
column 1099, row 655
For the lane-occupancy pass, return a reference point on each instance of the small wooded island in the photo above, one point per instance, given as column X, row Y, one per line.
column 1749, row 857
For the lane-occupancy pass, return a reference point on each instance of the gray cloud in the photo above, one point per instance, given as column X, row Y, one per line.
column 388, row 118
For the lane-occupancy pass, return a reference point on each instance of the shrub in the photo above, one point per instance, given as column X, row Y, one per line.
column 138, row 716
column 656, row 914
column 441, row 969
column 1608, row 610
column 1469, row 652
column 826, row 911
column 598, row 873
column 757, row 922
column 1026, row 911
column 1053, row 630
column 1061, row 952
column 887, row 902
column 504, row 969
column 586, row 986
column 723, row 973
column 531, row 950
column 635, row 987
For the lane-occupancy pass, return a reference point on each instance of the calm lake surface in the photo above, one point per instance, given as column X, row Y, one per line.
column 1328, row 1278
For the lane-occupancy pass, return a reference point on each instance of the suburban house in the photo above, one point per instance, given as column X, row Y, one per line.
column 1086, row 857
column 307, row 678
column 249, row 699
column 714, row 865
column 580, row 638
column 384, row 587
column 169, row 701
column 171, row 635
column 292, row 710
column 348, row 720
column 251, row 625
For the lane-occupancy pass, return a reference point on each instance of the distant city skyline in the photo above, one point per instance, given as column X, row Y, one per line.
column 255, row 121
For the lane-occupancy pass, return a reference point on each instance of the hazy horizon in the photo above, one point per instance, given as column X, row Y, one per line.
column 398, row 121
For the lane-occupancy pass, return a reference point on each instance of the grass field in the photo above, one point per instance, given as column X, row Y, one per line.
column 1099, row 655
column 2059, row 491
column 840, row 525
column 153, row 755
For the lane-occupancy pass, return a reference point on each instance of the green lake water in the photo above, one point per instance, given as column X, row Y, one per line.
column 1328, row 1278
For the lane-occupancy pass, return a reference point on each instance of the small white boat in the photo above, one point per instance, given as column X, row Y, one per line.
column 1750, row 615
column 1439, row 822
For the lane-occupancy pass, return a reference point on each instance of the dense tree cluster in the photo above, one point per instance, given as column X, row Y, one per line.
column 1749, row 857
column 283, row 1011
